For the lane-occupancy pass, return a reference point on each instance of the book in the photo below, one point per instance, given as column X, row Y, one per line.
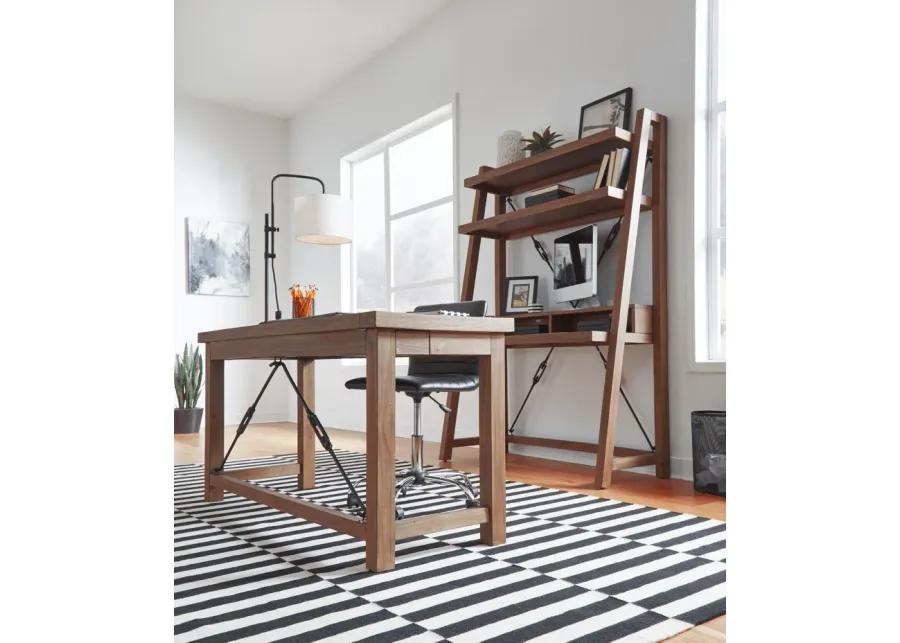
column 550, row 193
column 529, row 330
column 620, row 176
column 552, row 188
column 601, row 173
column 593, row 324
column 608, row 181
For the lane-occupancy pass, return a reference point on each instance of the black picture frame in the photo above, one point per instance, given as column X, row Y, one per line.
column 533, row 283
column 626, row 116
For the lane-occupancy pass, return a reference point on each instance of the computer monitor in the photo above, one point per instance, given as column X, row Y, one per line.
column 574, row 272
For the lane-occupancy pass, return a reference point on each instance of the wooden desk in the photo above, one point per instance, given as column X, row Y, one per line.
column 379, row 337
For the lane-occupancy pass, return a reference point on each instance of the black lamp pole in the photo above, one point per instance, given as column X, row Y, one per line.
column 269, row 235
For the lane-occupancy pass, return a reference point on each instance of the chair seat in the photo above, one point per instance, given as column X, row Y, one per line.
column 436, row 383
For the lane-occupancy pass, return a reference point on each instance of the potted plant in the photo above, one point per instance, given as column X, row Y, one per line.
column 541, row 141
column 188, row 383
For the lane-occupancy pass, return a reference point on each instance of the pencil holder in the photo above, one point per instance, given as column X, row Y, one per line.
column 302, row 307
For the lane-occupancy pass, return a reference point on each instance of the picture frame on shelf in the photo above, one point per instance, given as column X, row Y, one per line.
column 521, row 294
column 610, row 111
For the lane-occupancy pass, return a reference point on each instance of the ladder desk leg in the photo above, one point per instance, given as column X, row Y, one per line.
column 622, row 297
column 660, row 301
column 448, row 434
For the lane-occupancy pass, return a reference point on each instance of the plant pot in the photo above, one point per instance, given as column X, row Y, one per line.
column 188, row 420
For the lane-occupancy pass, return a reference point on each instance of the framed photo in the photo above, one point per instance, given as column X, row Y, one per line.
column 521, row 294
column 610, row 111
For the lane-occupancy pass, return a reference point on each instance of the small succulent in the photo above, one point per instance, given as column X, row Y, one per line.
column 188, row 377
column 541, row 141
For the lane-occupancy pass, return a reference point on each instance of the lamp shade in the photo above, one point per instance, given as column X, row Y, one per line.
column 323, row 218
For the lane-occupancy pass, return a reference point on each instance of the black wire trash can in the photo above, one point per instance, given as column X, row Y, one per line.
column 708, row 438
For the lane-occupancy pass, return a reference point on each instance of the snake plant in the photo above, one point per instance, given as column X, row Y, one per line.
column 188, row 376
column 541, row 141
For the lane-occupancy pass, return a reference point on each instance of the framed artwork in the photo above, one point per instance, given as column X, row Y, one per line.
column 610, row 111
column 521, row 294
column 218, row 258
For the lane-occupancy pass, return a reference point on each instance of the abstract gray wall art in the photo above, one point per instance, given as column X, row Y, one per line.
column 218, row 258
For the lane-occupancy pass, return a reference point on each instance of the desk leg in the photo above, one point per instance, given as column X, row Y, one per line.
column 380, row 372
column 492, row 440
column 306, row 439
column 214, row 433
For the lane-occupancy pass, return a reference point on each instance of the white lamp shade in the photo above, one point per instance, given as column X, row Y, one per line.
column 323, row 218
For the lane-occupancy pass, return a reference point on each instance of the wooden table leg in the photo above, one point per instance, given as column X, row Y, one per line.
column 381, row 349
column 306, row 439
column 492, row 440
column 214, row 432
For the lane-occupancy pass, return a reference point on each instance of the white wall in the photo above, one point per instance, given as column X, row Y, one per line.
column 224, row 160
column 523, row 64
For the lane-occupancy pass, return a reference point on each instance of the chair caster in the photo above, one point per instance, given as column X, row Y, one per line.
column 399, row 513
column 472, row 503
column 352, row 502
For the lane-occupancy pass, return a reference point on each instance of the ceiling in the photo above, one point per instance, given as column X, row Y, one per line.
column 274, row 56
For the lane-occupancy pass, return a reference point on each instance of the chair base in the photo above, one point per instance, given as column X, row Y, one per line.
column 417, row 476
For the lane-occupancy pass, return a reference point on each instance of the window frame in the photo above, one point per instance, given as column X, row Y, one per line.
column 710, row 235
column 382, row 145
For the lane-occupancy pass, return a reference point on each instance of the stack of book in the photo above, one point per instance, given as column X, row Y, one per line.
column 613, row 170
column 593, row 324
column 529, row 330
column 549, row 193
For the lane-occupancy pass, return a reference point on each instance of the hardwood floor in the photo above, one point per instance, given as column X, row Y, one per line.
column 676, row 495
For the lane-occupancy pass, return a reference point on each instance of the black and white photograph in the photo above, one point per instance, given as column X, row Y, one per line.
column 218, row 258
column 521, row 294
column 573, row 260
column 610, row 111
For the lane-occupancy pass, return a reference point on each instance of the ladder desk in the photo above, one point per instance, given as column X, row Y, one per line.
column 628, row 324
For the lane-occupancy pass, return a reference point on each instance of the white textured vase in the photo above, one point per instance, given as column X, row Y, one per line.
column 509, row 147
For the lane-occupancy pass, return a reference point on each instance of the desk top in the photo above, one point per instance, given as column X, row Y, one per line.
column 362, row 321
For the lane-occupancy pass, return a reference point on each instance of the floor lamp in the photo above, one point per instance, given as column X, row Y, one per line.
column 321, row 219
column 324, row 219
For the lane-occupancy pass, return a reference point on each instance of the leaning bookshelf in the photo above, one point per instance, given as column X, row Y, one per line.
column 627, row 324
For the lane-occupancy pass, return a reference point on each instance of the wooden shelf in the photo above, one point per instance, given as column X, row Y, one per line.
column 568, row 212
column 572, row 159
column 571, row 338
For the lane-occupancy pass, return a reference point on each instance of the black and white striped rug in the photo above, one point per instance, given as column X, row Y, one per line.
column 574, row 568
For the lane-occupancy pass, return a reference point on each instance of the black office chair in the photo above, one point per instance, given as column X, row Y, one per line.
column 427, row 375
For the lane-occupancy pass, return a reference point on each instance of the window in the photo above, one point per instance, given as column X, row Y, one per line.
column 711, row 348
column 404, row 247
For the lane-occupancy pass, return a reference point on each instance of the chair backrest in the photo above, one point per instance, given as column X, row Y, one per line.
column 448, row 365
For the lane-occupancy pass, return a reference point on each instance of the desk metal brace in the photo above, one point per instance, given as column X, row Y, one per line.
column 355, row 503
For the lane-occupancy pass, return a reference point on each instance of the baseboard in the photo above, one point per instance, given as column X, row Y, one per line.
column 260, row 418
column 682, row 468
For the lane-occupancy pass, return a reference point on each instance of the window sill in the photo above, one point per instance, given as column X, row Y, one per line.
column 707, row 367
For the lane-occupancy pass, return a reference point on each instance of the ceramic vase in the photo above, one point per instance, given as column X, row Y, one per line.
column 509, row 147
